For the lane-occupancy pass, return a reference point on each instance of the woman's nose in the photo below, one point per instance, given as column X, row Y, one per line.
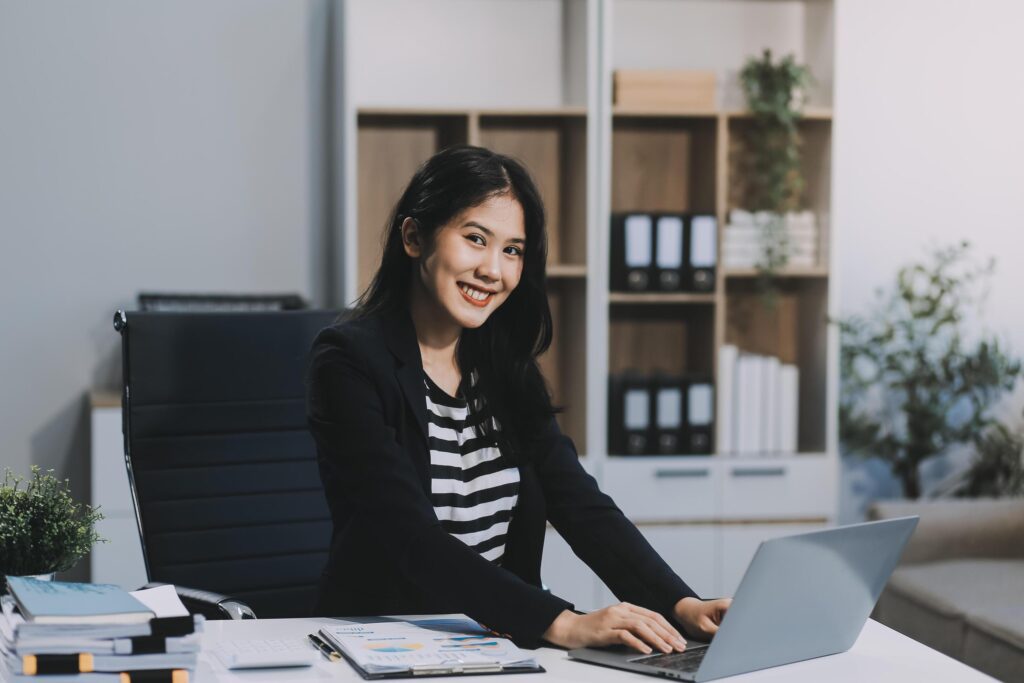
column 490, row 266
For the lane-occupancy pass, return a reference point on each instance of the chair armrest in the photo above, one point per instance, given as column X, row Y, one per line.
column 211, row 605
column 959, row 528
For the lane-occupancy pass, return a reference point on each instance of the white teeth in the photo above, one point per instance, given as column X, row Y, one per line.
column 474, row 293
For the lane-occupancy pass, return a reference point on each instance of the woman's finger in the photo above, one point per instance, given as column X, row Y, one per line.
column 666, row 629
column 643, row 629
column 626, row 638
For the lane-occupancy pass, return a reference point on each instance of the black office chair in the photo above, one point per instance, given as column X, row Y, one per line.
column 222, row 467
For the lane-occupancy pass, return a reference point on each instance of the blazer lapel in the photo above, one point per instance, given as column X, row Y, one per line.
column 401, row 340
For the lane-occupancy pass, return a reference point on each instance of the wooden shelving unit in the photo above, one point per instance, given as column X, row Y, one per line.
column 592, row 158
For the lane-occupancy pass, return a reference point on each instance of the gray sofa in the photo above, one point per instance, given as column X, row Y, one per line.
column 959, row 587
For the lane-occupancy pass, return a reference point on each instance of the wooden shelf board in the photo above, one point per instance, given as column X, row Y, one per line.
column 407, row 111
column 526, row 112
column 809, row 114
column 812, row 272
column 660, row 298
column 663, row 112
column 104, row 398
column 566, row 270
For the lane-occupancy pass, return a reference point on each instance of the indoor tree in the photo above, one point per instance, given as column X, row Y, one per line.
column 914, row 382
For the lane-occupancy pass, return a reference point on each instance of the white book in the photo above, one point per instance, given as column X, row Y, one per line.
column 727, row 356
column 770, row 401
column 789, row 407
column 749, row 404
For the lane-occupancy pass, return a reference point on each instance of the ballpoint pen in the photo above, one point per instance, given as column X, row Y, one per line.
column 324, row 648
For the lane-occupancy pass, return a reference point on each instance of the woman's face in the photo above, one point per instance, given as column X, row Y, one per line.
column 476, row 260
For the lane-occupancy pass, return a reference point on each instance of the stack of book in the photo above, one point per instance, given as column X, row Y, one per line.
column 748, row 235
column 758, row 404
column 55, row 632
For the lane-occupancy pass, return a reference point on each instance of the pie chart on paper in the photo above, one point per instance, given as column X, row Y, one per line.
column 385, row 647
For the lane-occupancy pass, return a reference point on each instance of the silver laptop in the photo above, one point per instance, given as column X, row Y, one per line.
column 802, row 596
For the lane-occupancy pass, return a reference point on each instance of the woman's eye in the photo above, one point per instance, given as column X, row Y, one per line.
column 515, row 251
column 476, row 239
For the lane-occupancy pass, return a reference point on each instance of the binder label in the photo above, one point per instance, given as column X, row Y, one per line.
column 702, row 241
column 670, row 408
column 699, row 408
column 638, row 241
column 637, row 409
column 670, row 242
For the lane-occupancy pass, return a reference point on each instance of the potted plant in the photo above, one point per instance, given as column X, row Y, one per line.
column 913, row 385
column 776, row 93
column 42, row 529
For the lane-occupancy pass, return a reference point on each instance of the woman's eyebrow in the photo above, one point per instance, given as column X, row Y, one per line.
column 490, row 233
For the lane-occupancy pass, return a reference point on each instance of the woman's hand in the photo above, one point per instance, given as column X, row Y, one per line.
column 622, row 624
column 701, row 617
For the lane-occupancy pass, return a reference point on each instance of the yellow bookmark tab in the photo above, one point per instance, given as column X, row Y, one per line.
column 85, row 663
column 179, row 676
column 29, row 665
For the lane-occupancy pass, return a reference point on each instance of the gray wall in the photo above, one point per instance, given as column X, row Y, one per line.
column 172, row 146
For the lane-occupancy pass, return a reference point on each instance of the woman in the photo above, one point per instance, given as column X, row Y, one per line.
column 438, row 448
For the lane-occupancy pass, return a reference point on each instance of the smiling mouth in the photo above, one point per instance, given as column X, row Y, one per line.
column 478, row 298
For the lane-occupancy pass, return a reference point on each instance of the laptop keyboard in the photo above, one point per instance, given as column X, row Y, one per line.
column 687, row 661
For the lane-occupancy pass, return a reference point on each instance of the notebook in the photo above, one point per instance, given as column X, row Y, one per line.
column 437, row 646
column 57, row 602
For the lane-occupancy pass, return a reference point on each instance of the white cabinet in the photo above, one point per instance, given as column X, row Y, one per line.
column 798, row 487
column 119, row 560
column 652, row 489
column 566, row 576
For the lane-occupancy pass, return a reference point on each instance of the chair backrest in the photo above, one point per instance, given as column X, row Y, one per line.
column 222, row 466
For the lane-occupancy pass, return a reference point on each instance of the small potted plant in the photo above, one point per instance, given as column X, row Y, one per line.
column 42, row 529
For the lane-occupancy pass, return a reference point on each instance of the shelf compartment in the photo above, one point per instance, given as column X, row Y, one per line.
column 564, row 364
column 390, row 147
column 554, row 150
column 663, row 164
column 794, row 329
column 815, row 165
column 665, row 340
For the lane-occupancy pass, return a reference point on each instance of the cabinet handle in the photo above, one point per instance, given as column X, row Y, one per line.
column 676, row 474
column 759, row 472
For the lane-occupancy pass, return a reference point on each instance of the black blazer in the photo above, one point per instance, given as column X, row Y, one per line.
column 389, row 555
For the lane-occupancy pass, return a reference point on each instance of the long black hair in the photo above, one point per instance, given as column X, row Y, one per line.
column 501, row 355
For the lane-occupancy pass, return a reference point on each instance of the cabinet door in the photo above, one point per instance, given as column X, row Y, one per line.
column 566, row 575
column 691, row 551
column 658, row 489
column 803, row 486
column 740, row 542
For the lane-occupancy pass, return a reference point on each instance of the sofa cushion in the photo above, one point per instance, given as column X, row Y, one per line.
column 994, row 640
column 932, row 602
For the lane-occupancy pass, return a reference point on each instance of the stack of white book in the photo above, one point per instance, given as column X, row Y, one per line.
column 55, row 632
column 758, row 404
column 745, row 237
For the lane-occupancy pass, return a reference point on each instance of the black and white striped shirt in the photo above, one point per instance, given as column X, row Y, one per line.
column 473, row 486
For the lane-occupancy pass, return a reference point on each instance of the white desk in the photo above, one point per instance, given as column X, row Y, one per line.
column 879, row 655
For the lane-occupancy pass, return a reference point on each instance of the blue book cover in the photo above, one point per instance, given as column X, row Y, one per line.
column 58, row 602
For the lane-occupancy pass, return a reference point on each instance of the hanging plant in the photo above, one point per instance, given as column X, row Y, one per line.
column 776, row 93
